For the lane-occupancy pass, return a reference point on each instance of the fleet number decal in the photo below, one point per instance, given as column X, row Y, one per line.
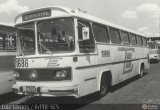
column 105, row 53
column 21, row 63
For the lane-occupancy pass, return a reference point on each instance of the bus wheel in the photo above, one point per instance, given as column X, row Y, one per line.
column 141, row 71
column 103, row 86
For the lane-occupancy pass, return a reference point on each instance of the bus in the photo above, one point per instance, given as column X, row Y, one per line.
column 7, row 56
column 65, row 52
column 154, row 51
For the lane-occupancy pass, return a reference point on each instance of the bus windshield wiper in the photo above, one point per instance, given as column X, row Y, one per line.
column 45, row 48
column 19, row 48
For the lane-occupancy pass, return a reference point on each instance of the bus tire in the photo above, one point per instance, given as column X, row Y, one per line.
column 103, row 86
column 141, row 70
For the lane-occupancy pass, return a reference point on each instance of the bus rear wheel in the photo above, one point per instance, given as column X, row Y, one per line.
column 103, row 86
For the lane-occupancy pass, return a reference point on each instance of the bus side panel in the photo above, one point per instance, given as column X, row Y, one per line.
column 6, row 62
column 136, row 55
column 146, row 61
column 109, row 59
column 6, row 73
column 87, row 74
column 118, row 66
column 6, row 81
column 142, row 55
column 104, row 60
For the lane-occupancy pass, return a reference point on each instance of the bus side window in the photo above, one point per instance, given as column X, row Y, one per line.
column 1, row 42
column 100, row 33
column 144, row 41
column 4, row 42
column 85, row 46
column 139, row 40
column 11, row 41
column 133, row 39
column 159, row 47
column 114, row 35
column 124, row 38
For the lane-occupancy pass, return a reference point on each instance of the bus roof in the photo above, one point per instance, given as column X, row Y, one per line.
column 80, row 14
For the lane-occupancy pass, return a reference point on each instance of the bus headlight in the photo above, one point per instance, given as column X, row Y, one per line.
column 16, row 74
column 63, row 74
column 33, row 75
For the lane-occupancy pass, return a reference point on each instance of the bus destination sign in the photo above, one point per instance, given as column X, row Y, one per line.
column 35, row 15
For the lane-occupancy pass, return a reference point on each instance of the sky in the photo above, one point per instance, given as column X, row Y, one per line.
column 138, row 15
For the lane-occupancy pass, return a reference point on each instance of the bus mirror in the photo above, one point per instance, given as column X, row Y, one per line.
column 85, row 33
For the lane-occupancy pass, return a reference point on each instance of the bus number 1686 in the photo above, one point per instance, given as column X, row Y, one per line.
column 21, row 63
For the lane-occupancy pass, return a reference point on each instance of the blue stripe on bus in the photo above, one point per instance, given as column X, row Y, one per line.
column 111, row 63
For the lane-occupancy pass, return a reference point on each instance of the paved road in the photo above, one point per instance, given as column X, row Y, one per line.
column 145, row 90
column 137, row 90
column 133, row 91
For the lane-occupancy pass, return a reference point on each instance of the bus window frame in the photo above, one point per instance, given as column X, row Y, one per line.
column 122, row 31
column 91, row 30
column 115, row 29
column 131, row 40
column 38, row 21
column 7, row 44
column 107, row 32
column 143, row 38
column 137, row 37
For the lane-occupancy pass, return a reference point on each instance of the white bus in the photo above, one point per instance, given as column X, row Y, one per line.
column 7, row 56
column 154, row 51
column 64, row 52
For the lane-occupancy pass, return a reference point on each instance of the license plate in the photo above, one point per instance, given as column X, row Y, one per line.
column 30, row 89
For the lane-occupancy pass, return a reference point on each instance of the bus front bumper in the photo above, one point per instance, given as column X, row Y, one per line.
column 154, row 57
column 46, row 91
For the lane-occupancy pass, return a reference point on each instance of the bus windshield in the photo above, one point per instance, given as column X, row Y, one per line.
column 55, row 35
column 26, row 39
